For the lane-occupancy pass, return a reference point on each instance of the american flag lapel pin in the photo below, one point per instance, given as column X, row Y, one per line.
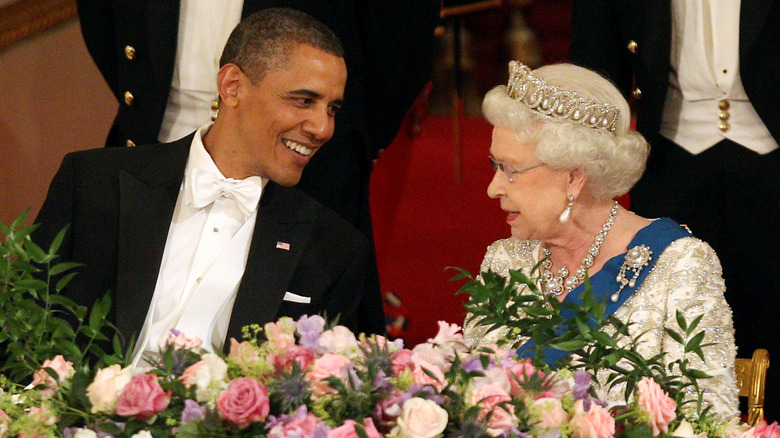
column 283, row 245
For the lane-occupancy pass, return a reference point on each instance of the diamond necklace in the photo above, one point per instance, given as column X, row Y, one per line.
column 560, row 282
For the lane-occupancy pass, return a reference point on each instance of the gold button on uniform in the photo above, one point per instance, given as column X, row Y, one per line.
column 637, row 93
column 129, row 99
column 724, row 127
column 130, row 52
column 724, row 115
column 723, row 105
column 633, row 46
column 130, row 143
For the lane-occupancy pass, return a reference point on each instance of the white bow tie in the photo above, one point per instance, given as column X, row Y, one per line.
column 206, row 187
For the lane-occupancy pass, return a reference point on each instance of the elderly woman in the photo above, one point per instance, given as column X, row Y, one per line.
column 562, row 150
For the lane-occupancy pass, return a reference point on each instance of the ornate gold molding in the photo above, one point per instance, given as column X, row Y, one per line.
column 25, row 18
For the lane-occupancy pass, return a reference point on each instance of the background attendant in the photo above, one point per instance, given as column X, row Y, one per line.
column 704, row 76
column 183, row 233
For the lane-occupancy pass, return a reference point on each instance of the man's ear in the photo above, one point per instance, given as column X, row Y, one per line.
column 229, row 80
column 576, row 182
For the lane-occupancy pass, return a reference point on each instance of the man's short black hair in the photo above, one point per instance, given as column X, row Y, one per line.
column 263, row 41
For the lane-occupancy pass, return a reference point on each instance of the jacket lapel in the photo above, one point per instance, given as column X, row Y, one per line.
column 148, row 190
column 285, row 218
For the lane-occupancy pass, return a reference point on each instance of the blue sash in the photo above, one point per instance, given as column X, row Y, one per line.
column 658, row 235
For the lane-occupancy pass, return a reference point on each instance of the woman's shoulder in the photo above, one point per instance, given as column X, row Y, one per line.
column 510, row 254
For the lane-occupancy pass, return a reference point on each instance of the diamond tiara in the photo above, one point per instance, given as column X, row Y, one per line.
column 556, row 103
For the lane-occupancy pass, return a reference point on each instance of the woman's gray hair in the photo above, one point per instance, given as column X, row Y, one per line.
column 612, row 164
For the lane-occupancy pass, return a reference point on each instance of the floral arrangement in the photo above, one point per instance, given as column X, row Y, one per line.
column 305, row 379
column 309, row 378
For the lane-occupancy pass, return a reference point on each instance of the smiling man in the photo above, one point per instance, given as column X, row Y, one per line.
column 207, row 234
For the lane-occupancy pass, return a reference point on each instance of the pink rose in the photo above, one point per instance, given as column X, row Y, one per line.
column 432, row 354
column 657, row 403
column 421, row 418
column 551, row 413
column 244, row 402
column 243, row 353
column 763, row 430
column 491, row 399
column 421, row 377
column 189, row 376
column 325, row 366
column 303, row 356
column 402, row 360
column 298, row 427
column 388, row 409
column 519, row 373
column 348, row 429
column 62, row 367
column 142, row 398
column 106, row 387
column 596, row 423
column 179, row 341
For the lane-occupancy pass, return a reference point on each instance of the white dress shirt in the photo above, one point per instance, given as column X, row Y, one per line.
column 706, row 102
column 204, row 27
column 203, row 261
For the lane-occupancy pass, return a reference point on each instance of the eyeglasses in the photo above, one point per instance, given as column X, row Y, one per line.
column 510, row 173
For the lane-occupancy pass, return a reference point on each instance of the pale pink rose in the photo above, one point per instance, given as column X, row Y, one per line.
column 596, row 423
column 339, row 340
column 244, row 402
column 550, row 412
column 402, row 360
column 519, row 373
column 421, row 377
column 282, row 328
column 325, row 366
column 491, row 399
column 179, row 341
column 449, row 337
column 763, row 430
column 657, row 403
column 494, row 376
column 299, row 427
column 348, row 429
column 421, row 418
column 62, row 367
column 243, row 353
column 432, row 354
column 106, row 387
column 189, row 376
column 142, row 397
column 43, row 415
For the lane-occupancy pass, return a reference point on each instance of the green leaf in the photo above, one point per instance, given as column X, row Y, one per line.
column 694, row 343
column 30, row 285
column 55, row 244
column 62, row 267
column 681, row 320
column 674, row 335
column 694, row 324
column 570, row 345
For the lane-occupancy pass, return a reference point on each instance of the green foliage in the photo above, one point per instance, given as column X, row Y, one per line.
column 598, row 341
column 38, row 322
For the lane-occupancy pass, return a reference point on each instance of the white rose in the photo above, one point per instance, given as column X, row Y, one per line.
column 143, row 434
column 106, row 387
column 339, row 340
column 685, row 430
column 84, row 433
column 421, row 418
column 210, row 379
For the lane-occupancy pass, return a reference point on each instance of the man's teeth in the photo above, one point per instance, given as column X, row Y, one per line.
column 297, row 147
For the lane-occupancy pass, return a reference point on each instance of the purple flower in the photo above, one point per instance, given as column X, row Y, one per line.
column 581, row 386
column 472, row 364
column 348, row 373
column 382, row 383
column 192, row 412
column 310, row 329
